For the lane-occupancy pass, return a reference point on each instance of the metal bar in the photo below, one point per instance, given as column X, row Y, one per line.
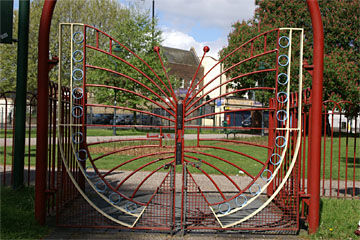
column 317, row 87
column 21, row 86
column 42, row 110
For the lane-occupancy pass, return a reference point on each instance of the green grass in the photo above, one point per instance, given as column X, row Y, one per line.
column 338, row 219
column 17, row 215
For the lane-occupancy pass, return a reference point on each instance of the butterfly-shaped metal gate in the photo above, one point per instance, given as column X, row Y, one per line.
column 177, row 169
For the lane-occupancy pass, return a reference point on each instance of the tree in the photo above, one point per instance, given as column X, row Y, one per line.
column 341, row 29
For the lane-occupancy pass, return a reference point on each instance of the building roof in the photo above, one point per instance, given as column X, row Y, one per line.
column 179, row 56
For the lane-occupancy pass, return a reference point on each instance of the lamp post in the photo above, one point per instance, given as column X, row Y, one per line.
column 262, row 67
column 116, row 49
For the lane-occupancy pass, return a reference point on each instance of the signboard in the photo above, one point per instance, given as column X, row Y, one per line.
column 6, row 21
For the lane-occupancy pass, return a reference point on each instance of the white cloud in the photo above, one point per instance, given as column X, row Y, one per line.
column 181, row 40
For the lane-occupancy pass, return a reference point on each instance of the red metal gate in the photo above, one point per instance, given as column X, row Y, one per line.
column 177, row 171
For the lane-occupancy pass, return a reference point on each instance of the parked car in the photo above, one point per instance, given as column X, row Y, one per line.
column 246, row 122
column 100, row 118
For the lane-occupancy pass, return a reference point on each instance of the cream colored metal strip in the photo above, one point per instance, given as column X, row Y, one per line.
column 287, row 137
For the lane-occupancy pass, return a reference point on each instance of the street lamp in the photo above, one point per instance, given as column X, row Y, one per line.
column 116, row 49
column 262, row 67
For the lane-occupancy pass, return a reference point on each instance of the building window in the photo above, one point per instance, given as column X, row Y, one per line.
column 182, row 83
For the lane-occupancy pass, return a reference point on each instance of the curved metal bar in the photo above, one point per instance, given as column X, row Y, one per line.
column 217, row 169
column 81, row 136
column 129, row 64
column 74, row 74
column 81, row 37
column 227, row 210
column 288, row 41
column 287, row 60
column 132, row 92
column 266, row 179
column 134, row 159
column 235, row 141
column 228, row 81
column 134, row 80
column 237, row 200
column 257, row 192
column 223, row 59
column 279, row 97
column 224, row 160
column 149, row 175
column 74, row 56
column 226, row 94
column 157, row 50
column 131, row 109
column 112, row 200
column 137, row 170
column 122, row 140
column 233, row 151
column 212, row 180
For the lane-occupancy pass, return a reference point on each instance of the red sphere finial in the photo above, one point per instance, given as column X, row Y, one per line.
column 206, row 49
column 156, row 48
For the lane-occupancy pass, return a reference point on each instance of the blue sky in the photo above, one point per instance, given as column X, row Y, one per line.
column 196, row 23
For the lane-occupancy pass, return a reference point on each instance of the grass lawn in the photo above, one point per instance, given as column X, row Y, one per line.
column 17, row 215
column 338, row 219
column 250, row 165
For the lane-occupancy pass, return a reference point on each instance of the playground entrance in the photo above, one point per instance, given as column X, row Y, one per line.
column 172, row 172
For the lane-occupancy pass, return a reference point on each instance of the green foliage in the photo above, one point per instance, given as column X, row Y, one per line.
column 17, row 215
column 129, row 26
column 342, row 43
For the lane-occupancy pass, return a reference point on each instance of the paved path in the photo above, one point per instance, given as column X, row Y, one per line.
column 92, row 139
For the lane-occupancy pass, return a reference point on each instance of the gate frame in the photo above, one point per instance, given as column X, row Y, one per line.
column 44, row 65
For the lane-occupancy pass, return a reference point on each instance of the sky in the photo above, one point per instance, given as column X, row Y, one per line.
column 198, row 23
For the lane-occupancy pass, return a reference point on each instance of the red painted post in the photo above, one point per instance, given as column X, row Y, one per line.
column 42, row 111
column 317, row 93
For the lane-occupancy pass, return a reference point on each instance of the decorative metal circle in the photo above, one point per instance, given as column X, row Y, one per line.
column 258, row 189
column 100, row 186
column 280, row 75
column 80, row 53
column 287, row 39
column 266, row 179
column 78, row 37
column 78, row 155
column 287, row 60
column 77, row 91
column 74, row 112
column 77, row 137
column 74, row 74
column 90, row 175
column 117, row 198
column 227, row 210
column 279, row 97
column 278, row 162
column 278, row 113
column 277, row 139
column 131, row 207
column 244, row 200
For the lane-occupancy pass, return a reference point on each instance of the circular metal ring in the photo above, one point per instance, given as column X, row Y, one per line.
column 286, row 81
column 81, row 37
column 227, row 210
column 277, row 115
column 257, row 192
column 111, row 199
column 266, row 179
column 90, row 175
column 74, row 110
column 278, row 97
column 276, row 141
column 78, row 155
column 74, row 74
column 78, row 90
column 288, row 41
column 100, row 186
column 278, row 162
column 78, row 52
column 287, row 60
column 131, row 207
column 74, row 137
column 237, row 200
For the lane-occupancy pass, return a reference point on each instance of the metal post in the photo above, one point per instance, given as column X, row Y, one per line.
column 21, row 86
column 42, row 110
column 114, row 117
column 317, row 93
